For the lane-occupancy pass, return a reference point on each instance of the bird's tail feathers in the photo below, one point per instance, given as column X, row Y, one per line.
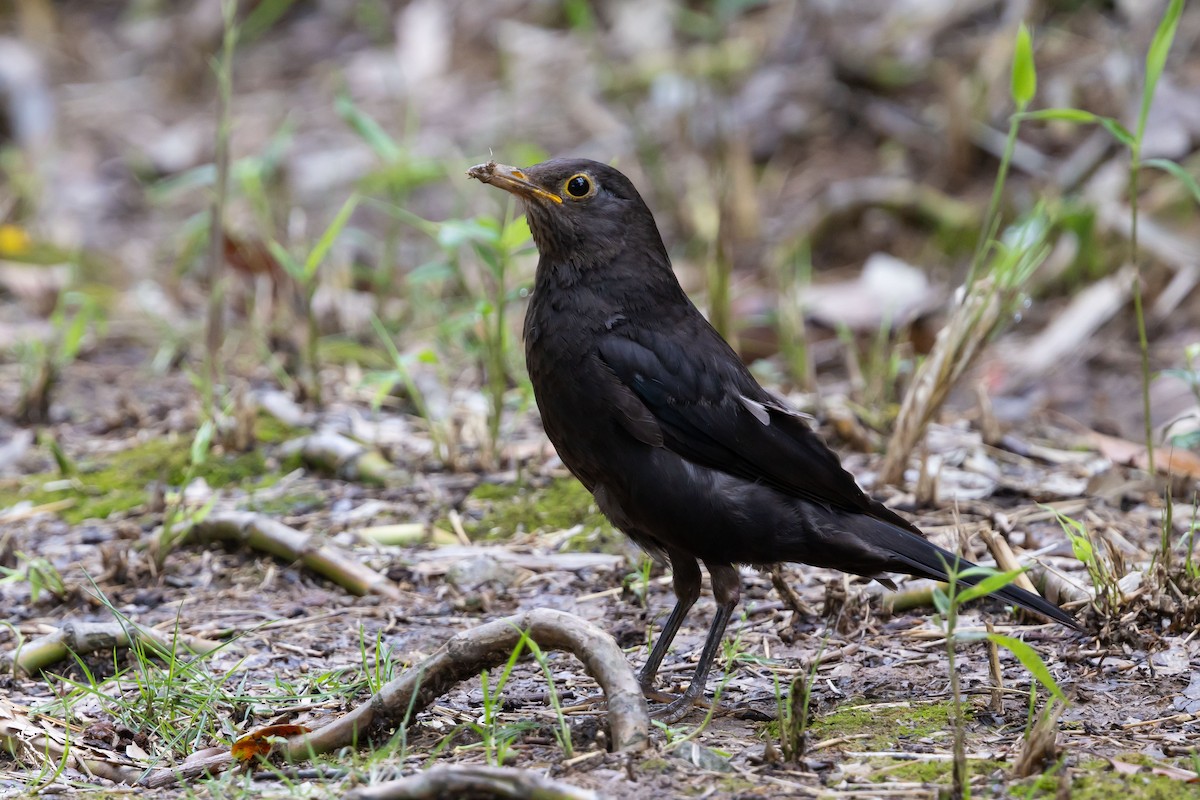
column 918, row 556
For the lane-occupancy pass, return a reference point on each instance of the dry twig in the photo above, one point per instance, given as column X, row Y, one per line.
column 472, row 780
column 489, row 645
column 464, row 656
column 87, row 637
column 313, row 550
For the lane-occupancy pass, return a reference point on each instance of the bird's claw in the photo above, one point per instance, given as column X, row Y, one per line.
column 676, row 710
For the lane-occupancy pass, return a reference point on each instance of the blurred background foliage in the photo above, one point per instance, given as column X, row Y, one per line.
column 820, row 170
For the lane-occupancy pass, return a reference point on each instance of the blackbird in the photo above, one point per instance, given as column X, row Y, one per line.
column 658, row 417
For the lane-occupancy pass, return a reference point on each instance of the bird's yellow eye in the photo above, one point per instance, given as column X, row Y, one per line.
column 579, row 186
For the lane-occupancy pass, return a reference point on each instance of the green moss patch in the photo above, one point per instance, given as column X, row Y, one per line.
column 342, row 350
column 495, row 511
column 887, row 727
column 122, row 481
column 270, row 430
column 1095, row 779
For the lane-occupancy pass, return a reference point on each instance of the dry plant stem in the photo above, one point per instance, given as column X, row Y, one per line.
column 486, row 646
column 472, row 780
column 1006, row 559
column 88, row 637
column 996, row 673
column 347, row 459
column 313, row 550
column 958, row 343
column 209, row 764
column 1041, row 747
column 960, row 777
column 789, row 596
column 1058, row 589
column 896, row 602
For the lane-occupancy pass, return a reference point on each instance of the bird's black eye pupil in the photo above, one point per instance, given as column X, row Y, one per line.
column 578, row 186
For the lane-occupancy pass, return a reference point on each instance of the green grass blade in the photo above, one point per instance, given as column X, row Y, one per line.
column 1061, row 115
column 202, row 443
column 988, row 585
column 321, row 248
column 262, row 17
column 1185, row 177
column 75, row 330
column 1117, row 130
column 1024, row 73
column 293, row 267
column 365, row 126
column 1156, row 60
column 1031, row 661
column 1078, row 115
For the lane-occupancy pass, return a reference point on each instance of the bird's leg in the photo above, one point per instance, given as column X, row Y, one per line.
column 727, row 589
column 686, row 574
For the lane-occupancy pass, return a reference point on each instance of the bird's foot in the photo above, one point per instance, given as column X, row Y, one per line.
column 657, row 695
column 677, row 709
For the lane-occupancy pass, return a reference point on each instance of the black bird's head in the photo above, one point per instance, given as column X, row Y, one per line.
column 583, row 214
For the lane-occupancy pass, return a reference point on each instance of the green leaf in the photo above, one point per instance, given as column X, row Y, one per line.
column 203, row 512
column 515, row 235
column 454, row 233
column 940, row 600
column 386, row 338
column 74, row 332
column 430, row 271
column 321, row 248
column 1061, row 115
column 1024, row 74
column 579, row 16
column 262, row 17
column 990, row 584
column 293, row 267
column 1156, row 60
column 490, row 257
column 1082, row 548
column 1031, row 661
column 1185, row 177
column 365, row 126
column 202, row 442
column 1081, row 545
column 203, row 175
column 1117, row 131
column 1078, row 115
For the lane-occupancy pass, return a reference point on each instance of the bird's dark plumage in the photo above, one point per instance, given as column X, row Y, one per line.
column 653, row 411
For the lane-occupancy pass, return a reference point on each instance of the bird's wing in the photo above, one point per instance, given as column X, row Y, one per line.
column 712, row 412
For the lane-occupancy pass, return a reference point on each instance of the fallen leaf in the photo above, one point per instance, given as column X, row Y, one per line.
column 258, row 743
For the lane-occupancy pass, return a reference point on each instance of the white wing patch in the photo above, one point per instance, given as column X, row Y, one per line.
column 756, row 408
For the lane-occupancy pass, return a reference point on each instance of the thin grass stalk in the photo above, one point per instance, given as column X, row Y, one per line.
column 215, row 333
column 1139, row 314
column 1156, row 59
column 991, row 220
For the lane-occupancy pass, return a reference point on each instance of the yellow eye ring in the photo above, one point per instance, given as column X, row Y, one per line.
column 578, row 187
